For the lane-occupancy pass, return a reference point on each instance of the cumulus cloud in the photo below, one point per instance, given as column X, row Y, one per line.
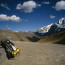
column 52, row 17
column 4, row 6
column 46, row 2
column 60, row 5
column 14, row 18
column 28, row 6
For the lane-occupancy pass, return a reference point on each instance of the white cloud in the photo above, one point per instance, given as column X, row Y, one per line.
column 46, row 3
column 60, row 5
column 39, row 5
column 28, row 6
column 14, row 18
column 5, row 6
column 19, row 6
column 52, row 17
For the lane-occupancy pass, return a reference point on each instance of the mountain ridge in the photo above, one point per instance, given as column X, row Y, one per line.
column 52, row 28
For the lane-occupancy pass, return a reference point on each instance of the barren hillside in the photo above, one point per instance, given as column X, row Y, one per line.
column 12, row 35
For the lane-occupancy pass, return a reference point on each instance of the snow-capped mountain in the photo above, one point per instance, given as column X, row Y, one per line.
column 44, row 29
column 62, row 21
column 52, row 28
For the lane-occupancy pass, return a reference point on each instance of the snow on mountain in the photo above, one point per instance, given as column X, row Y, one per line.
column 44, row 29
column 60, row 25
column 62, row 21
column 53, row 27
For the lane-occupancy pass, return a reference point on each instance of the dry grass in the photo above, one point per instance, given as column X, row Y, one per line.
column 12, row 35
column 54, row 38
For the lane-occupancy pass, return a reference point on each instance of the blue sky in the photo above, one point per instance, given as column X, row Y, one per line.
column 30, row 15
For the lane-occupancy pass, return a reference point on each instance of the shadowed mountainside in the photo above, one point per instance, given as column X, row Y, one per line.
column 58, row 38
column 30, row 36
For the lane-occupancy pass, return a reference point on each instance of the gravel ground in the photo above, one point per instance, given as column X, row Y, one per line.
column 32, row 53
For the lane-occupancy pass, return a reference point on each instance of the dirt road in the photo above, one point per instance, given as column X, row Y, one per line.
column 36, row 54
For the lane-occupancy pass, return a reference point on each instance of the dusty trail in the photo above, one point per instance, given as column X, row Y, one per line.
column 36, row 54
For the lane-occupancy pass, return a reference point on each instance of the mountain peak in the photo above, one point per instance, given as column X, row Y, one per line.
column 62, row 21
column 44, row 29
column 53, row 27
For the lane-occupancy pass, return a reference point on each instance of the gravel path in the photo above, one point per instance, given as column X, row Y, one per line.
column 32, row 53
